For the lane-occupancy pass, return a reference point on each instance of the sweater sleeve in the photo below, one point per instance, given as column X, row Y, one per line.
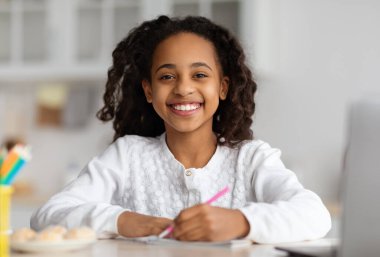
column 93, row 199
column 284, row 211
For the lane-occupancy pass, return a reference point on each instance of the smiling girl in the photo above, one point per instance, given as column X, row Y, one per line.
column 182, row 99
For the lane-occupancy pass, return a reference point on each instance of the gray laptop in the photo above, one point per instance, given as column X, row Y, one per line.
column 360, row 233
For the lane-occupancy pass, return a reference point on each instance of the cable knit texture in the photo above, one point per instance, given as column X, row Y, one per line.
column 140, row 174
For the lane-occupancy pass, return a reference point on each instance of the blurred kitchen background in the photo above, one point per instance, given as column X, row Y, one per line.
column 311, row 58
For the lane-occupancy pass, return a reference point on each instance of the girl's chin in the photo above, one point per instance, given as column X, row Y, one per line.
column 186, row 127
column 181, row 130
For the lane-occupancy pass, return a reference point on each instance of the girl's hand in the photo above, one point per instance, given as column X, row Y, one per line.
column 207, row 223
column 132, row 224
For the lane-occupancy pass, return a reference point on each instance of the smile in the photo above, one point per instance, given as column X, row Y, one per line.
column 186, row 107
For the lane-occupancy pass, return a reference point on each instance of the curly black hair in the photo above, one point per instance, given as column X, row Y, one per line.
column 124, row 99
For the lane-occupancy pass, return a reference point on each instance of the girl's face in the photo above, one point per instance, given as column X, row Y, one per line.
column 186, row 83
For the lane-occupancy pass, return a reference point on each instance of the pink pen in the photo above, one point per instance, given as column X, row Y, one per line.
column 222, row 192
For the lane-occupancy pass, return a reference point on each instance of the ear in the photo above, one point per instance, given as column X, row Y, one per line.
column 224, row 88
column 147, row 90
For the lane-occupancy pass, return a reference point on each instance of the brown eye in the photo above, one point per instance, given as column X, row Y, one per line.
column 166, row 77
column 200, row 75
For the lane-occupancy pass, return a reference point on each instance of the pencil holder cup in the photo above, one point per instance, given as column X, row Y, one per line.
column 5, row 208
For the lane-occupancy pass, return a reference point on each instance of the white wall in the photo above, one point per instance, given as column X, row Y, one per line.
column 311, row 58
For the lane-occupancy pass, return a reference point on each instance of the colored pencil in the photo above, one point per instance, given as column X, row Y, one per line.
column 10, row 160
column 13, row 163
column 8, row 179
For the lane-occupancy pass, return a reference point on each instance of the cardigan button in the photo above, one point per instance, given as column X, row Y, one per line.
column 188, row 173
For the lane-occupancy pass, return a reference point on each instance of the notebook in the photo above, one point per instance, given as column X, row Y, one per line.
column 360, row 233
column 155, row 240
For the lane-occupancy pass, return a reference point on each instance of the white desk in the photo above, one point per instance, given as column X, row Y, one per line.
column 122, row 248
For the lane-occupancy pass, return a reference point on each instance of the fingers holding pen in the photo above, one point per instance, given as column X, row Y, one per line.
column 194, row 224
column 208, row 223
column 202, row 222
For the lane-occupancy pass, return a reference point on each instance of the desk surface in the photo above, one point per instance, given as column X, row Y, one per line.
column 116, row 248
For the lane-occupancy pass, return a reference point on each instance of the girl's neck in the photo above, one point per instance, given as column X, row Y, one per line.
column 193, row 150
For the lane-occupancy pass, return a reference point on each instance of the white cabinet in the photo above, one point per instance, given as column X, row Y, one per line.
column 22, row 31
column 74, row 39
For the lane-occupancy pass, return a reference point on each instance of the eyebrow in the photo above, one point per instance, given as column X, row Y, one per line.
column 193, row 65
column 200, row 64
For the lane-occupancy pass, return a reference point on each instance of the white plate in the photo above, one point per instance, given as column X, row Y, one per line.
column 40, row 247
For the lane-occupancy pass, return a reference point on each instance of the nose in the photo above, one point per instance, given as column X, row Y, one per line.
column 184, row 87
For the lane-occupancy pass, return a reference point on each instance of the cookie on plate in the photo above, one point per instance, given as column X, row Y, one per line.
column 51, row 234
column 56, row 229
column 23, row 235
column 48, row 236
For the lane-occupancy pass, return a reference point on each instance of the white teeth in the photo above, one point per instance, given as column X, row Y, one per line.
column 186, row 107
